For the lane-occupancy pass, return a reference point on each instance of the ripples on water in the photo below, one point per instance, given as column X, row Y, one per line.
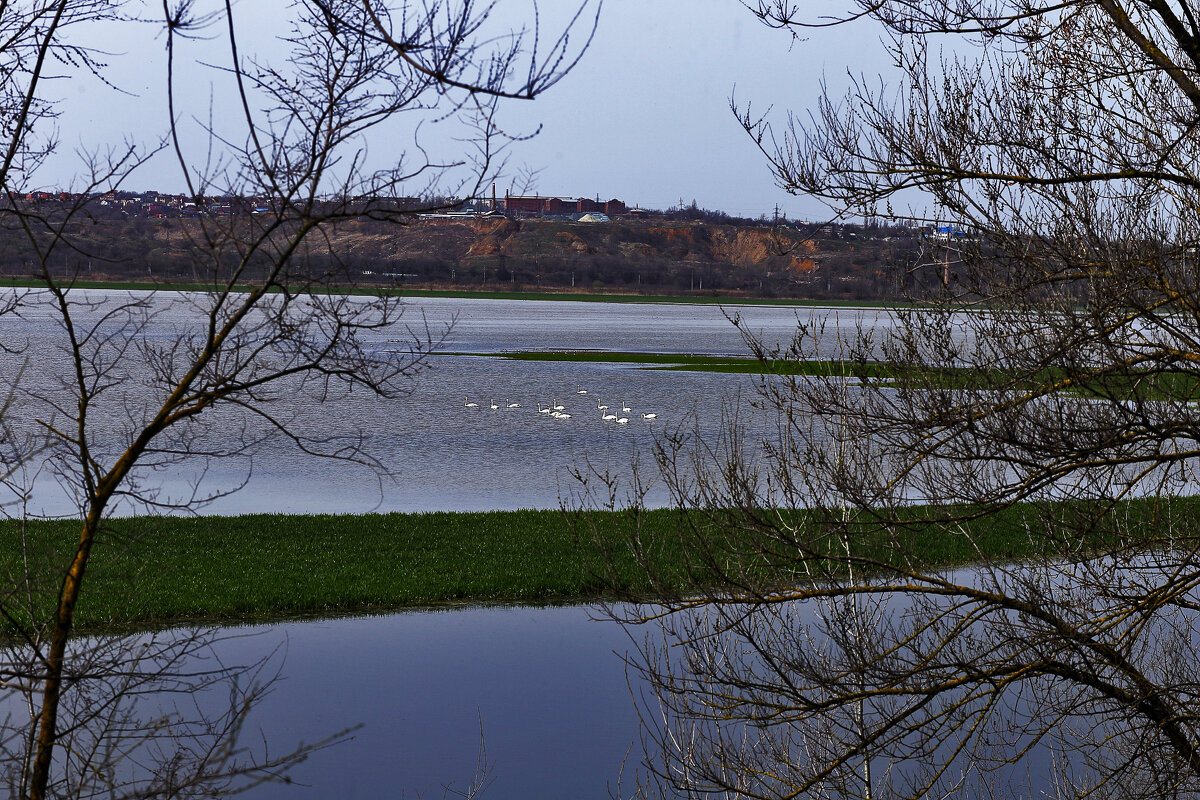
column 445, row 457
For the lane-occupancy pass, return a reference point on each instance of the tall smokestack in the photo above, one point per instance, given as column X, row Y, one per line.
column 493, row 197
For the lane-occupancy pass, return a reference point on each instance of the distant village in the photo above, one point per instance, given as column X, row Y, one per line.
column 151, row 204
column 158, row 205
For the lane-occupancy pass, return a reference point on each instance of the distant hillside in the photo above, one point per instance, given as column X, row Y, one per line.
column 654, row 256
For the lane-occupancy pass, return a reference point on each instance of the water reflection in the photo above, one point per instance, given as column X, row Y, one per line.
column 141, row 715
column 547, row 685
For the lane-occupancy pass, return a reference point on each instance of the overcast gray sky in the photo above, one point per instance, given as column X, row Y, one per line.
column 644, row 117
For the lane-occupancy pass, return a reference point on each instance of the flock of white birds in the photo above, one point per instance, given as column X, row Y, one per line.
column 557, row 410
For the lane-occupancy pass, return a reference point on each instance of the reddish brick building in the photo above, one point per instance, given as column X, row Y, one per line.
column 538, row 205
column 523, row 205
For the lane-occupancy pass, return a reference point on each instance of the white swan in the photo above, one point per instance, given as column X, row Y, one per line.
column 468, row 404
column 511, row 405
column 545, row 410
column 622, row 420
column 582, row 391
column 602, row 408
column 608, row 416
column 649, row 416
column 557, row 407
column 494, row 407
column 625, row 408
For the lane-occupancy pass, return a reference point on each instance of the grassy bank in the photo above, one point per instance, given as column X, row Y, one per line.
column 1150, row 384
column 150, row 570
column 156, row 570
column 704, row 363
column 686, row 362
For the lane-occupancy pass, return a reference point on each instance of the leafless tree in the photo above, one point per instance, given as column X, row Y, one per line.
column 964, row 559
column 525, row 181
column 145, row 382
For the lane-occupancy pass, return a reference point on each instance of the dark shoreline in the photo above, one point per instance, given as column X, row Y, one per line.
column 579, row 297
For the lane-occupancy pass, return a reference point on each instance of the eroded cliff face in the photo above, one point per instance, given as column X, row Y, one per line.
column 653, row 255
column 622, row 253
column 637, row 255
column 735, row 247
column 573, row 243
column 751, row 248
column 489, row 235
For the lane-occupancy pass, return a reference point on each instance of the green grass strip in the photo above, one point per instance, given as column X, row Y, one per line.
column 710, row 363
column 1149, row 384
column 155, row 570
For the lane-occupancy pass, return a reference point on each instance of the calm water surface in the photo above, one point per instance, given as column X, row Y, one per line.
column 442, row 455
column 548, row 686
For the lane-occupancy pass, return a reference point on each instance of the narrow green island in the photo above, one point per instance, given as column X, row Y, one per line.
column 165, row 570
column 1152, row 383
column 690, row 362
